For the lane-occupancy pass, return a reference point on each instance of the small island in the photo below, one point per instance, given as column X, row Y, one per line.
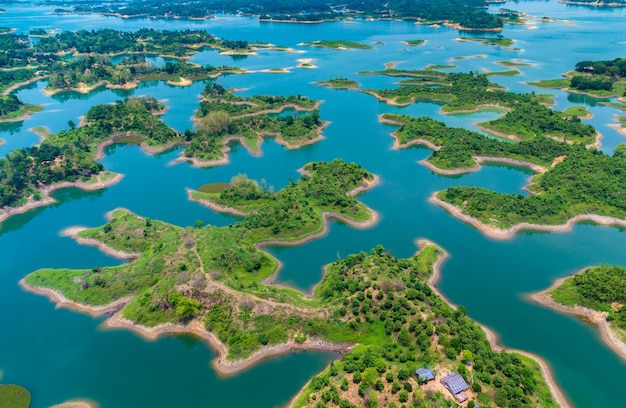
column 414, row 43
column 596, row 294
column 340, row 83
column 499, row 41
column 599, row 79
column 14, row 110
column 461, row 92
column 338, row 44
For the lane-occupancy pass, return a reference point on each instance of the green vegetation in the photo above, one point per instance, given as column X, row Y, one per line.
column 460, row 91
column 14, row 396
column 601, row 79
column 596, row 189
column 515, row 63
column 467, row 13
column 223, row 116
column 70, row 155
column 500, row 41
column 339, row 44
column 174, row 261
column 601, row 288
column 576, row 111
column 414, row 43
column 340, row 83
column 11, row 108
column 528, row 120
column 511, row 72
column 458, row 146
column 377, row 300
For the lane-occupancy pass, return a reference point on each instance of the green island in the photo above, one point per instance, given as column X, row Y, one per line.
column 92, row 66
column 461, row 92
column 500, row 41
column 558, row 199
column 530, row 119
column 223, row 117
column 14, row 110
column 339, row 83
column 378, row 309
column 28, row 175
column 514, row 63
column 510, row 72
column 414, row 43
column 339, row 44
column 464, row 15
column 599, row 79
column 597, row 294
column 14, row 396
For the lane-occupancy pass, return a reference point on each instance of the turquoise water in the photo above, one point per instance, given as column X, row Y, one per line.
column 61, row 354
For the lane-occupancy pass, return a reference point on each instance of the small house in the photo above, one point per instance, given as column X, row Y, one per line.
column 456, row 385
column 424, row 375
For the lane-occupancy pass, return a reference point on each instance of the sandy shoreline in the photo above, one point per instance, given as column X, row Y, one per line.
column 73, row 232
column 215, row 206
column 619, row 128
column 508, row 233
column 45, row 200
column 491, row 335
column 17, row 86
column 76, row 404
column 593, row 316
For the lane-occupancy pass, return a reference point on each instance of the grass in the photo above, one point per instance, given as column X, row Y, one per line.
column 339, row 83
column 617, row 105
column 23, row 112
column 551, row 83
column 514, row 63
column 499, row 41
column 509, row 73
column 14, row 396
column 578, row 111
column 339, row 44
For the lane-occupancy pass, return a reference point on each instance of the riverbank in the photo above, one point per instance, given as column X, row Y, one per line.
column 610, row 338
column 491, row 335
column 500, row 233
column 46, row 199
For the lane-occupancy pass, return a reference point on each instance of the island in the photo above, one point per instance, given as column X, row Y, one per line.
column 596, row 294
column 14, row 396
column 14, row 110
column 499, row 41
column 599, row 79
column 460, row 92
column 414, row 43
column 380, row 311
column 463, row 15
column 339, row 83
column 338, row 44
column 557, row 201
column 29, row 175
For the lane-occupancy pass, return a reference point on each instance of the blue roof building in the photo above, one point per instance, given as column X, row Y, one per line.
column 456, row 385
column 424, row 375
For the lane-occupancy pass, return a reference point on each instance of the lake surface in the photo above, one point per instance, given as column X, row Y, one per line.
column 62, row 354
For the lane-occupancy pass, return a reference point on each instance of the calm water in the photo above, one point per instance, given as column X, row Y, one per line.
column 61, row 354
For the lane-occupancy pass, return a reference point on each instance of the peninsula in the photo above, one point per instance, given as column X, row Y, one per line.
column 377, row 309
column 597, row 294
column 593, row 195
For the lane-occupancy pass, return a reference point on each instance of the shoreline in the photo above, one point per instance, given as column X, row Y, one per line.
column 480, row 160
column 499, row 233
column 619, row 128
column 77, row 403
column 46, row 199
column 594, row 317
column 18, row 85
column 492, row 337
column 38, row 108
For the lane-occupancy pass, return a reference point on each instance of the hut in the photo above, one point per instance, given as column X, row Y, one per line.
column 456, row 385
column 424, row 375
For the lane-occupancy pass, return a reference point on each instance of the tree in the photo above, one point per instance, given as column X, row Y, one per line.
column 71, row 124
column 214, row 123
column 620, row 151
